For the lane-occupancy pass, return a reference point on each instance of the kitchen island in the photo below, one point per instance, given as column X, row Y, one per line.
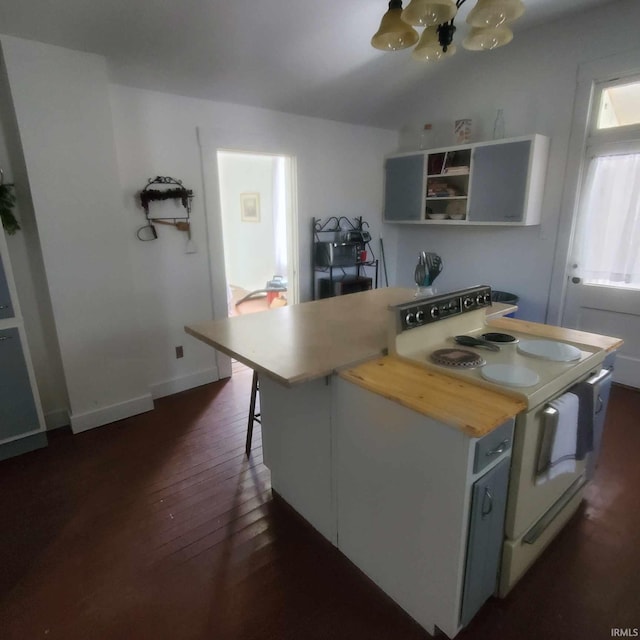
column 389, row 461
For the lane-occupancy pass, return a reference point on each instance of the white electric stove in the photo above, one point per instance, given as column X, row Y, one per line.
column 520, row 364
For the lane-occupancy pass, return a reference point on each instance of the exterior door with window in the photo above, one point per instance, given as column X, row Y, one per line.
column 603, row 290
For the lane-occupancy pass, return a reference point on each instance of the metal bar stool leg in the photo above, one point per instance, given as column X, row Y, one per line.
column 253, row 416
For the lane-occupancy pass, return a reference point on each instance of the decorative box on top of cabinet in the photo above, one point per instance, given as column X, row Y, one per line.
column 21, row 419
column 487, row 183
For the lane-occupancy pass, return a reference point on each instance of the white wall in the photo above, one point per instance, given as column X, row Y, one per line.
column 534, row 80
column 61, row 105
column 339, row 172
column 120, row 305
column 249, row 246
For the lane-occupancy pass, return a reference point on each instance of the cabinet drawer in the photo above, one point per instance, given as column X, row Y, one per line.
column 18, row 412
column 493, row 445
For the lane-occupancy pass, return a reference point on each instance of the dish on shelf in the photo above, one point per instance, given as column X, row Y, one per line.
column 456, row 171
column 436, row 216
column 457, row 216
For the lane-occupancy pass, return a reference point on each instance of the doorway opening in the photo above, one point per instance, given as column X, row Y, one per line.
column 259, row 230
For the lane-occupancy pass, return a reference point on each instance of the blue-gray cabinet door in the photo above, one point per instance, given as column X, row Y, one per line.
column 18, row 413
column 6, row 308
column 486, row 534
column 404, row 197
column 499, row 182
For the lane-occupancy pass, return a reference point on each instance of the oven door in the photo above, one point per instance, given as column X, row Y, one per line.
column 529, row 501
column 537, row 512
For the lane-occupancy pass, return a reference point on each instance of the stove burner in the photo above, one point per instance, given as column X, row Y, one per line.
column 549, row 350
column 457, row 358
column 511, row 375
column 499, row 337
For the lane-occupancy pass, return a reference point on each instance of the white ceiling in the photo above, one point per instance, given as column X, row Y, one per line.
column 310, row 57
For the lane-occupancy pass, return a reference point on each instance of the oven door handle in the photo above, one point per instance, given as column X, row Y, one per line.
column 550, row 418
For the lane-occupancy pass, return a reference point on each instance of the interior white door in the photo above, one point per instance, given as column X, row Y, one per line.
column 613, row 311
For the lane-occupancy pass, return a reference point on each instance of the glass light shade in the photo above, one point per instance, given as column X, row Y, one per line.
column 429, row 12
column 487, row 39
column 429, row 48
column 493, row 13
column 394, row 33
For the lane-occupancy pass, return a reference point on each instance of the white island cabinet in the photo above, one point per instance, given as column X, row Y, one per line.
column 404, row 469
column 21, row 418
column 395, row 491
column 488, row 183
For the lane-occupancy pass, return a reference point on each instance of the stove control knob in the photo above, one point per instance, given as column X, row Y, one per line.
column 487, row 298
column 410, row 319
column 434, row 313
column 480, row 299
column 420, row 317
column 468, row 302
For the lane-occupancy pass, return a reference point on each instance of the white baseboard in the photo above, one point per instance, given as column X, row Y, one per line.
column 56, row 419
column 105, row 415
column 625, row 371
column 176, row 385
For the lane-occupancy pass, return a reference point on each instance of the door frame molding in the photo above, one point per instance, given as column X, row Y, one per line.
column 589, row 74
column 210, row 141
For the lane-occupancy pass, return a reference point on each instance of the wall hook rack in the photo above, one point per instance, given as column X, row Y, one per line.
column 175, row 191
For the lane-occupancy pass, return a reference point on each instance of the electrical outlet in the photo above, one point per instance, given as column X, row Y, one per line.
column 179, row 352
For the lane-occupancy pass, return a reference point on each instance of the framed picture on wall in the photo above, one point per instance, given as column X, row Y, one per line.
column 250, row 207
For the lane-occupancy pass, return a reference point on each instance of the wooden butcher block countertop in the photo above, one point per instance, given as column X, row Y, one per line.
column 469, row 407
column 473, row 409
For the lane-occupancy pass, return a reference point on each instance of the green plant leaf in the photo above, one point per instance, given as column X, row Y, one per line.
column 7, row 203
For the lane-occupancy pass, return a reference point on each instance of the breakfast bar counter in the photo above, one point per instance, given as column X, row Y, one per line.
column 303, row 342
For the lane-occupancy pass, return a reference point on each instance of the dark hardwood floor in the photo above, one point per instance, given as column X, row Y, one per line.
column 158, row 527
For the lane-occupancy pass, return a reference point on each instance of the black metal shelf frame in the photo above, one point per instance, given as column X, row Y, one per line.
column 340, row 226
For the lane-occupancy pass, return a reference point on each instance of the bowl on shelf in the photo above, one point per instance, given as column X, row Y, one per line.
column 457, row 210
column 436, row 216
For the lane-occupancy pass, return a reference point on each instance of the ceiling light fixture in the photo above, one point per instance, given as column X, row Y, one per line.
column 489, row 20
column 394, row 33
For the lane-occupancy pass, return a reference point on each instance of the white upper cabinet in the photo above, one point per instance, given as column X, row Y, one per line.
column 489, row 183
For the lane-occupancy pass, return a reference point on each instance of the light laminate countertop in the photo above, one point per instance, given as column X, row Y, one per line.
column 306, row 341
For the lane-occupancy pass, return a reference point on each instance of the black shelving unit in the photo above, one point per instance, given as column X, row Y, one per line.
column 342, row 258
